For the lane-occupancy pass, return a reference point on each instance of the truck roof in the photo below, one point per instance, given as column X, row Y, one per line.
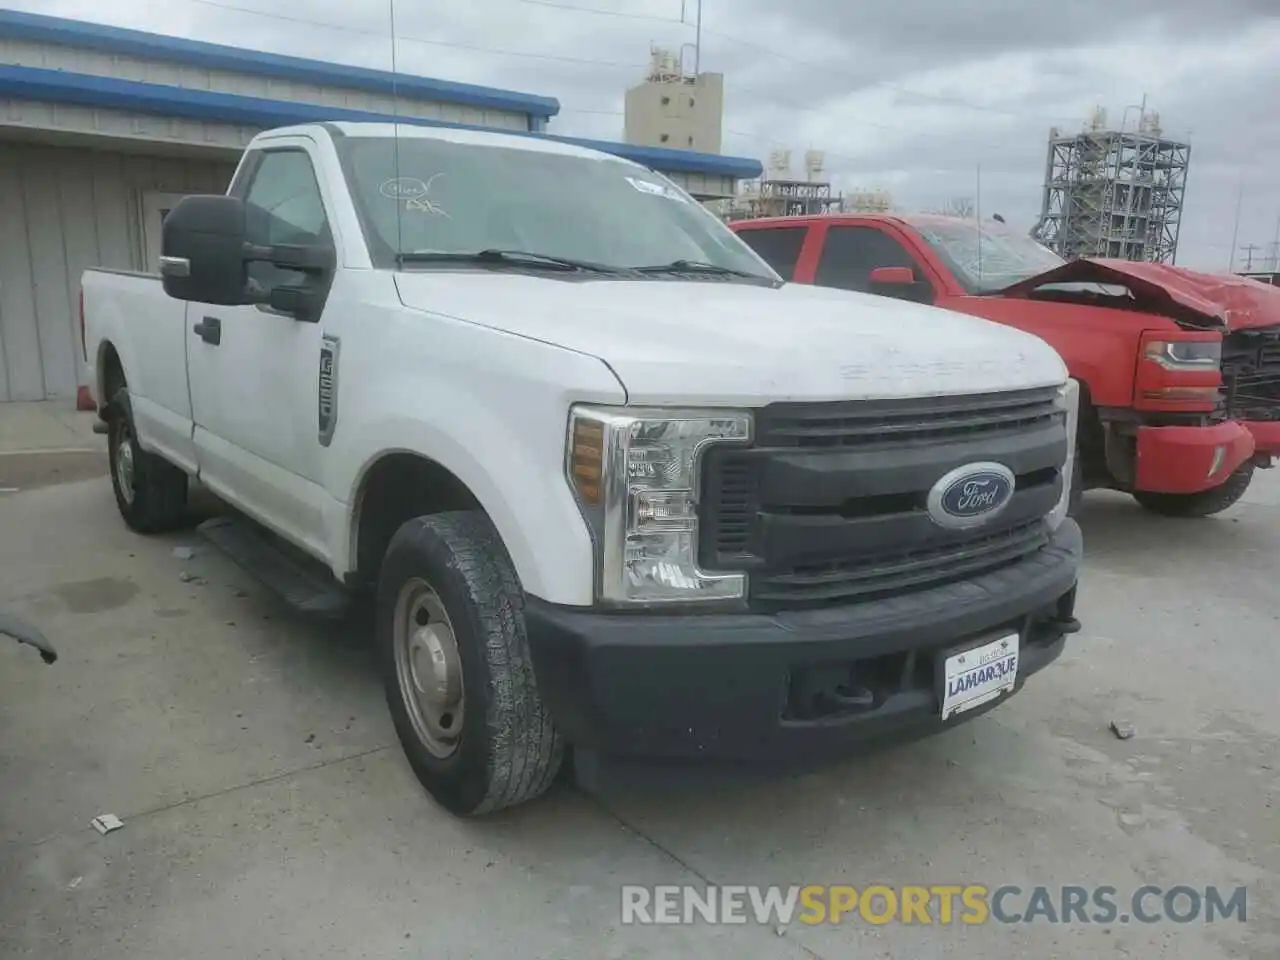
column 916, row 219
column 515, row 140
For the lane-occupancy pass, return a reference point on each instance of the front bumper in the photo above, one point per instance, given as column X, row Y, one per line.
column 1266, row 436
column 720, row 686
column 1190, row 459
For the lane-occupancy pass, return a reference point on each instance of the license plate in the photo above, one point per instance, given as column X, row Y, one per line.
column 975, row 675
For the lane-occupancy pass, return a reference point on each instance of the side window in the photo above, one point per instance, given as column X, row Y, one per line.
column 777, row 246
column 284, row 207
column 851, row 253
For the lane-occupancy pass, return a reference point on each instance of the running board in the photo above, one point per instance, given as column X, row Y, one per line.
column 301, row 582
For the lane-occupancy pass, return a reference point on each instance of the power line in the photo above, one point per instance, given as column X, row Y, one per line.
column 800, row 61
column 597, row 11
column 773, row 141
column 911, row 130
column 627, row 65
column 408, row 38
column 887, row 84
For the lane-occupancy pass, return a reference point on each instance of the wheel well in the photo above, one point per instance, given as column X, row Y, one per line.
column 399, row 487
column 112, row 378
column 1089, row 434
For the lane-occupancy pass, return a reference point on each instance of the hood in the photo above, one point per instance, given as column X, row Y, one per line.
column 740, row 344
column 1200, row 299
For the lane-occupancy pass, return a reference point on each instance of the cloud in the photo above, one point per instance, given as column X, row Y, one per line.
column 911, row 95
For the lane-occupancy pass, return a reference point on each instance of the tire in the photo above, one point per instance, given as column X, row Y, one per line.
column 150, row 492
column 1202, row 504
column 1076, row 493
column 446, row 582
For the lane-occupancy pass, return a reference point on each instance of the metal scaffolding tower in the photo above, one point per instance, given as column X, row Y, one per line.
column 1114, row 193
column 781, row 195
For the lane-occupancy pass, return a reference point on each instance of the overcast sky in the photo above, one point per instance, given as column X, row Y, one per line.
column 905, row 95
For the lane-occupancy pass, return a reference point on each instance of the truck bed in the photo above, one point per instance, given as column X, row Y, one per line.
column 128, row 312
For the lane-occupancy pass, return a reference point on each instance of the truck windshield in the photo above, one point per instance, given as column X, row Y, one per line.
column 425, row 196
column 984, row 258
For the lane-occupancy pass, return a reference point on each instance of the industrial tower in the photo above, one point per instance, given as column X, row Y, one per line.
column 1114, row 193
column 781, row 195
column 674, row 107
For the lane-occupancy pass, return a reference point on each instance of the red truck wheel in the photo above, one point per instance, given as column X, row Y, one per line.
column 1202, row 504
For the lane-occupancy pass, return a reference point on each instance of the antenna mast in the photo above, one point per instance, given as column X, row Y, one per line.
column 977, row 216
column 697, row 33
column 395, row 123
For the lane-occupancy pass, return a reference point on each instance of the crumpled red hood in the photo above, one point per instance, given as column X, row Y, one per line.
column 1200, row 298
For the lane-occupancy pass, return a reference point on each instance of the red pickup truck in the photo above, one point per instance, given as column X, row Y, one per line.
column 1179, row 370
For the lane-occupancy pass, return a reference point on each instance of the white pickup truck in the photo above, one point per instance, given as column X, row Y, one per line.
column 610, row 483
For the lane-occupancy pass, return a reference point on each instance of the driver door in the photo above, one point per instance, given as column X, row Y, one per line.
column 850, row 252
column 254, row 371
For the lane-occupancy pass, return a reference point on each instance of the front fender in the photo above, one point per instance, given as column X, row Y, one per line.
column 533, row 510
column 501, row 432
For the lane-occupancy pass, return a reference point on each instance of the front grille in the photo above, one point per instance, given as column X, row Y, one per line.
column 731, row 505
column 1251, row 374
column 829, row 503
column 901, row 572
column 918, row 420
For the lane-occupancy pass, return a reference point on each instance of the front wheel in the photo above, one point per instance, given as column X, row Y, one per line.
column 456, row 667
column 1202, row 504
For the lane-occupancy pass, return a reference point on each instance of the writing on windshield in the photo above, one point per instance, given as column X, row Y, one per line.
column 425, row 195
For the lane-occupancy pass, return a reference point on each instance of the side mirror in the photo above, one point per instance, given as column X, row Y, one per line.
column 893, row 276
column 205, row 256
column 202, row 251
column 900, row 282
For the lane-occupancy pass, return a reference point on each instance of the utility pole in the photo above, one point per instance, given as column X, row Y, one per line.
column 697, row 33
column 1248, row 250
column 1275, row 249
column 1235, row 231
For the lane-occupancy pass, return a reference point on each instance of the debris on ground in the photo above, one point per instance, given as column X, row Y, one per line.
column 105, row 823
column 184, row 553
column 1123, row 729
column 189, row 578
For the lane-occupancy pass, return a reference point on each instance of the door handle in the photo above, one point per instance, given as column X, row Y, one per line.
column 209, row 330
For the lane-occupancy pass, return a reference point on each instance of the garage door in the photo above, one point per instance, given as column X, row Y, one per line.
column 63, row 210
column 36, row 334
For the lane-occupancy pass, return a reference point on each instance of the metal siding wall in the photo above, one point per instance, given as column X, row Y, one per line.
column 45, row 239
column 71, row 118
column 65, row 210
column 53, row 57
column 21, row 340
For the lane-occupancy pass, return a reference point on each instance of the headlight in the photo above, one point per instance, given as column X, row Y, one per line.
column 1181, row 354
column 635, row 475
column 1069, row 402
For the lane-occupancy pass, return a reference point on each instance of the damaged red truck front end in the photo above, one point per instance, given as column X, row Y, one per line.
column 1179, row 370
column 1206, row 385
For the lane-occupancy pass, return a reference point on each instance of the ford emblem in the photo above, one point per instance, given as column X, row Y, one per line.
column 970, row 495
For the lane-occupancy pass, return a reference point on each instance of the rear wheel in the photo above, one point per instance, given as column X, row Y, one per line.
column 151, row 493
column 1202, row 504
column 456, row 667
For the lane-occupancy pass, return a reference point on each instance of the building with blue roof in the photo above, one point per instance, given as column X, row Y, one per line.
column 102, row 129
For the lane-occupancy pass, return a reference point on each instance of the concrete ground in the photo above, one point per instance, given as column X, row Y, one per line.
column 268, row 811
column 46, row 443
